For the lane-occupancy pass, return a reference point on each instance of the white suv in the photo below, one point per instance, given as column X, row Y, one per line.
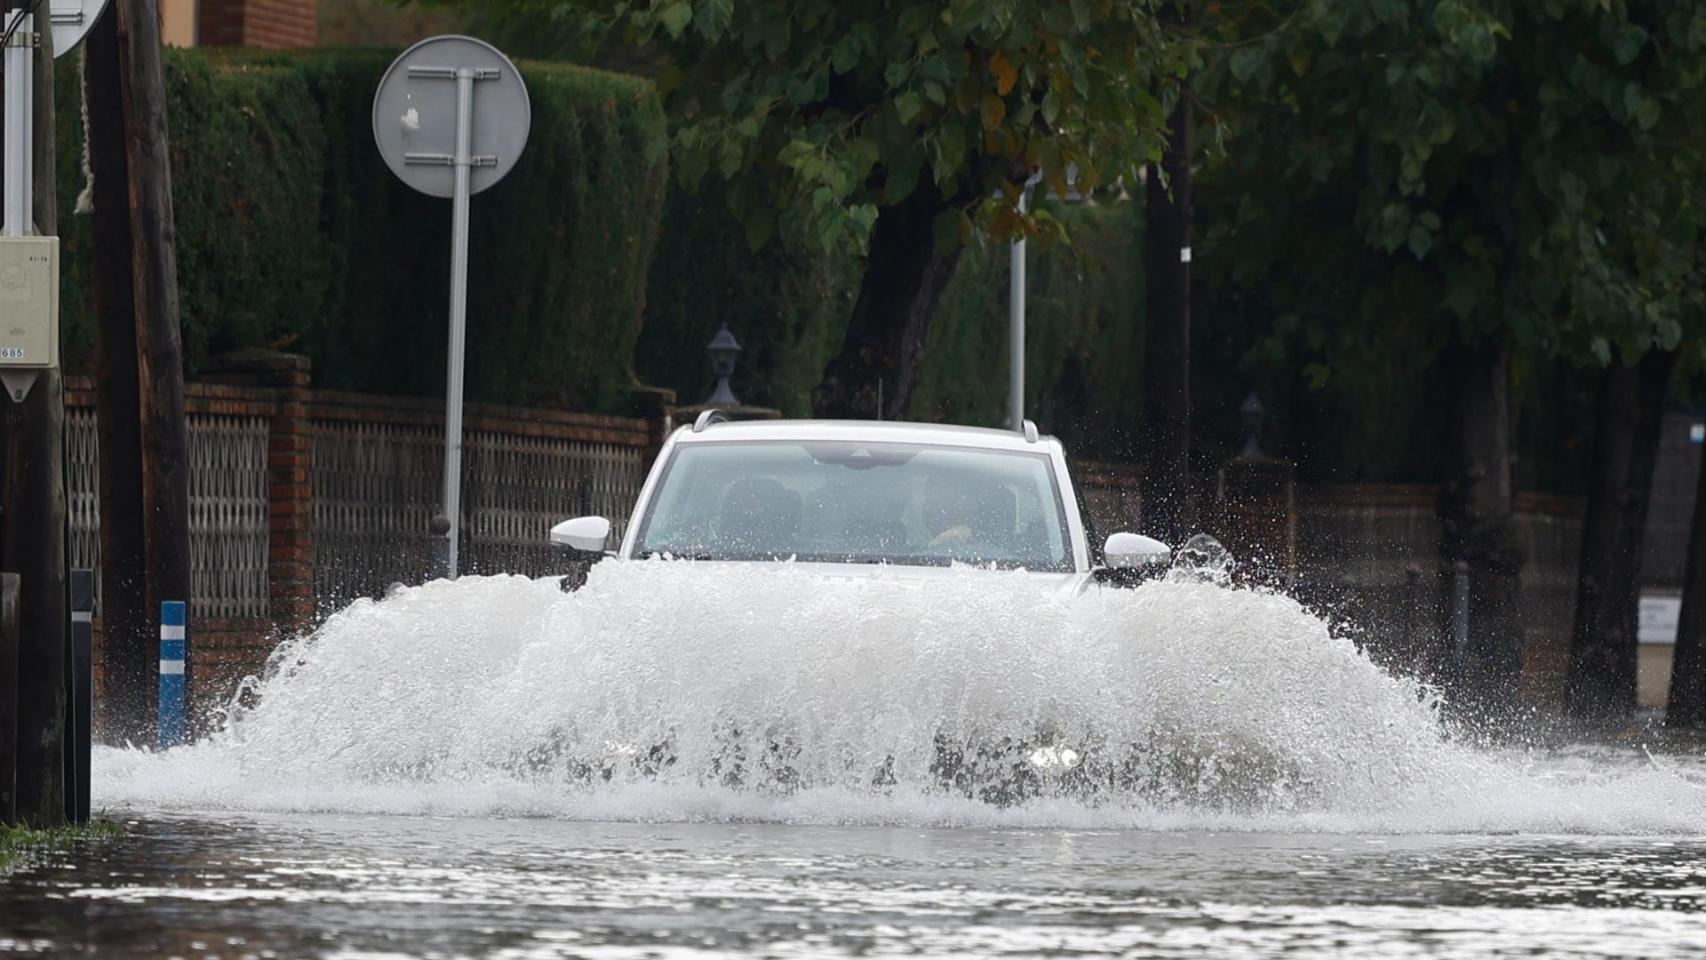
column 849, row 496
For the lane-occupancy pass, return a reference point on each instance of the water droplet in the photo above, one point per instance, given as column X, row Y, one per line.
column 1203, row 558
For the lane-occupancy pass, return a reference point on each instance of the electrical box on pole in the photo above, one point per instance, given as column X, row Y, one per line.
column 29, row 310
column 451, row 118
column 32, row 490
column 29, row 264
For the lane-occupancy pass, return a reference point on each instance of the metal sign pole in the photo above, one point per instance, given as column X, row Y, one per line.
column 458, row 315
column 437, row 143
column 20, row 83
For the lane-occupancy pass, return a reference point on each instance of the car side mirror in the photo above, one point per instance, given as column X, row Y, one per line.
column 1134, row 551
column 586, row 534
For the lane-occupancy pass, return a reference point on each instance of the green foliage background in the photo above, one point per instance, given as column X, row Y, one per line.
column 591, row 271
column 1401, row 175
column 292, row 234
column 1084, row 334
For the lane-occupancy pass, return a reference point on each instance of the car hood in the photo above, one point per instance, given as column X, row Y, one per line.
column 1046, row 582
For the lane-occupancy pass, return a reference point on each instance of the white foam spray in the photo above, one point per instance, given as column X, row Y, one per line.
column 677, row 691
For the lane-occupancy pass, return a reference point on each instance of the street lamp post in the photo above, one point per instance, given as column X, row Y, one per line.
column 724, row 353
column 1252, row 414
column 1016, row 302
column 1016, row 323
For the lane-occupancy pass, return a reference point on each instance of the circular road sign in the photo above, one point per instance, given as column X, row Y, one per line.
column 71, row 21
column 414, row 114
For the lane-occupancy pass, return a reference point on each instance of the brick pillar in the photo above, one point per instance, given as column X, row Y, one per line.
column 656, row 405
column 1255, row 509
column 290, row 476
column 290, row 492
column 264, row 24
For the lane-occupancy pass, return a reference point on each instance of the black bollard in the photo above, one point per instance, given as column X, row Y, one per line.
column 9, row 639
column 1417, row 650
column 79, row 695
column 1459, row 616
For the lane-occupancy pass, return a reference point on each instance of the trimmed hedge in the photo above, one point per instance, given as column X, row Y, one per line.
column 292, row 234
column 788, row 310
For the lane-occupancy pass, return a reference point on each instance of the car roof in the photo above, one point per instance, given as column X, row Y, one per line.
column 874, row 431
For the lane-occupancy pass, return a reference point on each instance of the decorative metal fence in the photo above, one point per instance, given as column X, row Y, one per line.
column 82, row 488
column 376, row 488
column 228, row 516
column 518, row 487
column 228, row 508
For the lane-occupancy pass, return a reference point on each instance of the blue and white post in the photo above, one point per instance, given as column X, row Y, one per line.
column 172, row 722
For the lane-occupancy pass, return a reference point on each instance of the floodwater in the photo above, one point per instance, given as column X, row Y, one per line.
column 684, row 762
column 328, row 885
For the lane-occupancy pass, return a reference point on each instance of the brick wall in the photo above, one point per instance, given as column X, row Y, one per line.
column 273, row 389
column 266, row 24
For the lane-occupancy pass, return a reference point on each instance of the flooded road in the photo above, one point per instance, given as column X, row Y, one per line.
column 677, row 762
column 368, row 886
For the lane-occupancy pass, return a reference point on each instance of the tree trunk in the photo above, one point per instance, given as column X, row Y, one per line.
column 130, row 650
column 1166, row 434
column 1629, row 411
column 159, row 351
column 32, row 540
column 1475, row 514
column 905, row 274
column 1687, row 708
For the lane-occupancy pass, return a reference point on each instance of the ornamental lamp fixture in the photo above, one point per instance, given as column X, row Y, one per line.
column 723, row 352
column 1252, row 413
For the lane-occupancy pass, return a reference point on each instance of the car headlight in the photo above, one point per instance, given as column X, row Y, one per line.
column 1053, row 758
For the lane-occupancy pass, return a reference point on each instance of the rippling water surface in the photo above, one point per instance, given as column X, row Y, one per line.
column 680, row 761
column 327, row 885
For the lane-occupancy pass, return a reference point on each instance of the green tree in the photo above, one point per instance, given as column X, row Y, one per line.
column 1461, row 180
column 894, row 129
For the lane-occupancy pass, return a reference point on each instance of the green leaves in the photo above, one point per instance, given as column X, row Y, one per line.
column 1534, row 173
column 908, row 106
column 675, row 16
column 830, row 110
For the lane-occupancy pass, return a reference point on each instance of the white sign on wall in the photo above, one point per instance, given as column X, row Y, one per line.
column 1659, row 613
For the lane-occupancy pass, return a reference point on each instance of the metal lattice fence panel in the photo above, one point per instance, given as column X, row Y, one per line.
column 82, row 488
column 375, row 491
column 376, row 488
column 517, row 487
column 228, row 509
column 228, row 516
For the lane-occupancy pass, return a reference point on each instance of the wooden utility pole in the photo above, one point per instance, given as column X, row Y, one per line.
column 1687, row 706
column 159, row 350
column 32, row 520
column 1166, row 433
column 131, row 648
column 1629, row 416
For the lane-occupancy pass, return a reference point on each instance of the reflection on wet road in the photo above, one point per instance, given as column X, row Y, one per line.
column 286, row 886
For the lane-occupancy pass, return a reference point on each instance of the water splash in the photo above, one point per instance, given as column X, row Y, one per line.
column 687, row 691
column 1203, row 558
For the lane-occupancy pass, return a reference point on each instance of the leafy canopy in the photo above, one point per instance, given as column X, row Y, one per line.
column 1528, row 170
column 820, row 112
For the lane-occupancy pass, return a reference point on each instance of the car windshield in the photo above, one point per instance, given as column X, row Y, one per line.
column 851, row 502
